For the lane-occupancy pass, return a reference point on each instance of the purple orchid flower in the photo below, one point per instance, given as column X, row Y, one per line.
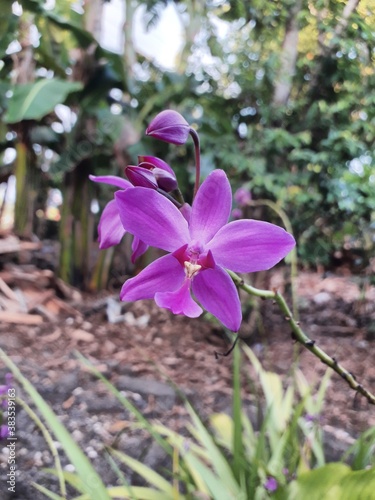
column 169, row 126
column 4, row 431
column 242, row 196
column 152, row 172
column 4, row 390
column 236, row 213
column 271, row 484
column 164, row 174
column 200, row 250
column 110, row 228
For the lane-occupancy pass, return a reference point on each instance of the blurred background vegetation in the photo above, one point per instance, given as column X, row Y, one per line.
column 282, row 92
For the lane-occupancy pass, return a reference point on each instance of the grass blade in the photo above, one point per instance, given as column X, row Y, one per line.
column 91, row 481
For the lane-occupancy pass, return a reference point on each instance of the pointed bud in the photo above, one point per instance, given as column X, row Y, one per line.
column 163, row 173
column 140, row 176
column 169, row 126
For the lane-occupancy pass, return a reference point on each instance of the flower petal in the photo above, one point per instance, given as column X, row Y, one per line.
column 246, row 246
column 217, row 293
column 139, row 247
column 140, row 176
column 111, row 179
column 154, row 219
column 156, row 163
column 211, row 207
column 179, row 301
column 186, row 211
column 165, row 180
column 163, row 275
column 110, row 228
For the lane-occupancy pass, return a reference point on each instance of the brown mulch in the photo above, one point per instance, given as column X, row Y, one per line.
column 337, row 311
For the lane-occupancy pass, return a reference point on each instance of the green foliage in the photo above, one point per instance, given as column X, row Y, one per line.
column 85, row 472
column 334, row 481
column 312, row 154
column 33, row 101
column 227, row 457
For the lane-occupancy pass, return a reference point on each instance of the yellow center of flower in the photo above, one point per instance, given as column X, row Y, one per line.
column 191, row 269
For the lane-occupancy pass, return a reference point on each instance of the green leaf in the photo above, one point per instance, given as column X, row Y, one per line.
column 148, row 474
column 127, row 405
column 83, row 37
column 138, row 493
column 32, row 101
column 334, row 481
column 46, row 492
column 217, row 460
column 207, row 481
column 70, row 477
column 238, row 446
column 91, row 481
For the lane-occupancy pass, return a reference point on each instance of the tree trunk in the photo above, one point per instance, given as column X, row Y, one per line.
column 130, row 57
column 26, row 173
column 288, row 58
column 76, row 225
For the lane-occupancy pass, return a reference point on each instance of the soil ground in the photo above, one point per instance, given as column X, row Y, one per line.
column 149, row 344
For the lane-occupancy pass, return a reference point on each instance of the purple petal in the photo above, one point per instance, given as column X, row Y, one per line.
column 179, row 301
column 186, row 211
column 139, row 248
column 217, row 293
column 169, row 126
column 165, row 180
column 211, row 207
column 4, row 431
column 246, row 246
column 154, row 219
column 163, row 275
column 113, row 180
column 271, row 484
column 242, row 197
column 156, row 163
column 110, row 228
column 140, row 176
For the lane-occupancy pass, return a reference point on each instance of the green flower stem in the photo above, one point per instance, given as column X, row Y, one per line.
column 293, row 254
column 195, row 138
column 178, row 196
column 300, row 336
column 170, row 197
column 48, row 438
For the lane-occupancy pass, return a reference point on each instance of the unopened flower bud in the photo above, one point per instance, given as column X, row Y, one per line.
column 163, row 173
column 169, row 126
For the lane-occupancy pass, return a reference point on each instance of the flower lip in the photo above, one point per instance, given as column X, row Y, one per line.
column 194, row 254
column 169, row 126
